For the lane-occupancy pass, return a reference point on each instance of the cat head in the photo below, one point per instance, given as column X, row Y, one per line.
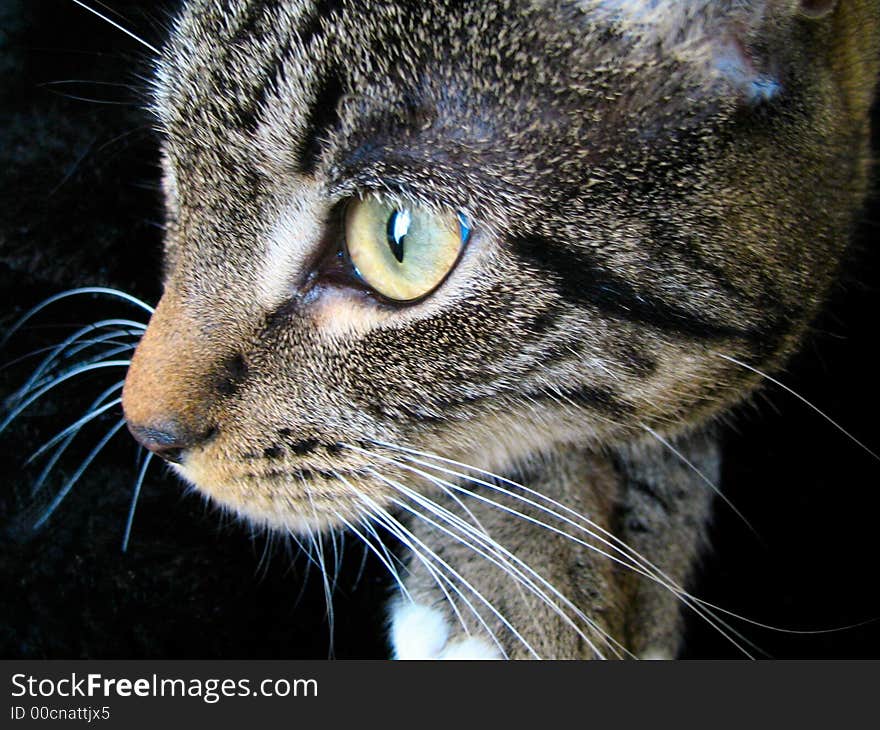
column 483, row 230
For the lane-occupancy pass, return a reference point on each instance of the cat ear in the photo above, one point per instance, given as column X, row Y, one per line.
column 817, row 8
column 764, row 44
column 743, row 42
column 690, row 16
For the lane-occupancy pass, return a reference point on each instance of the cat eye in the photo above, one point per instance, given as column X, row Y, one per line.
column 403, row 253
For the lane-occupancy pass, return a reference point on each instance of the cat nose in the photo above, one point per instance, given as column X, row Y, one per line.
column 169, row 390
column 169, row 441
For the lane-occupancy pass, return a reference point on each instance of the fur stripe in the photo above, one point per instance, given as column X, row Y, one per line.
column 309, row 31
column 323, row 116
column 584, row 284
column 322, row 11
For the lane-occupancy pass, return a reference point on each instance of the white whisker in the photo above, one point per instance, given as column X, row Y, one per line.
column 318, row 542
column 38, row 482
column 639, row 564
column 75, row 426
column 337, row 555
column 802, row 400
column 477, row 594
column 425, row 555
column 363, row 564
column 68, row 342
column 304, row 550
column 502, row 563
column 490, row 544
column 136, row 492
column 623, row 550
column 71, row 293
column 108, row 339
column 83, row 344
column 60, row 379
column 702, row 476
column 118, row 26
column 440, row 580
column 69, row 484
column 428, row 567
column 384, row 559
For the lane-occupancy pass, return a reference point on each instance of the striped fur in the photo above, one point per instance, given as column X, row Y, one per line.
column 658, row 191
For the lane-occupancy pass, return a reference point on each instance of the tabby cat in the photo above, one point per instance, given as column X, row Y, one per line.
column 485, row 275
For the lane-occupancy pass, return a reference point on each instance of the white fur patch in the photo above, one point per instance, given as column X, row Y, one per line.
column 656, row 654
column 417, row 631
column 421, row 632
column 293, row 239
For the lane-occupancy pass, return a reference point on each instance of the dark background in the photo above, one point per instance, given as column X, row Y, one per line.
column 79, row 205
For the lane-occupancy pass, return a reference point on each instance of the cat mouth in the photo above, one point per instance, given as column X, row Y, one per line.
column 296, row 498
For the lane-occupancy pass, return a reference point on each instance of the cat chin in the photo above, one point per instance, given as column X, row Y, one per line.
column 260, row 511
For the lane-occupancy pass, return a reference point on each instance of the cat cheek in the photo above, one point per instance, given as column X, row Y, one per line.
column 342, row 312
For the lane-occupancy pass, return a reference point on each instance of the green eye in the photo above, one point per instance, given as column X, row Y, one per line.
column 403, row 253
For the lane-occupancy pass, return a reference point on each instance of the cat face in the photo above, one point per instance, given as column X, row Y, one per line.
column 634, row 209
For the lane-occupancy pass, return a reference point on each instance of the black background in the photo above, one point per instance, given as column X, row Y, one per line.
column 79, row 205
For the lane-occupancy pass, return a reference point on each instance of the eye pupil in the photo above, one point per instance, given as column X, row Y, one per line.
column 398, row 226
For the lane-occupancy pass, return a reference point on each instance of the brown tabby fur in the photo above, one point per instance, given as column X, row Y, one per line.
column 650, row 191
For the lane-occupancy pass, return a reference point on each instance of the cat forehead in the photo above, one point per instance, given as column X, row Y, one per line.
column 443, row 84
column 240, row 50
